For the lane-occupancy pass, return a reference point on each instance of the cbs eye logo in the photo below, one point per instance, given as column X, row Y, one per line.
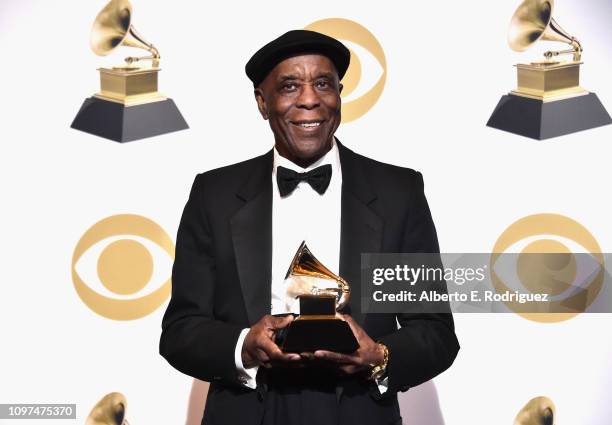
column 547, row 263
column 125, row 266
column 356, row 102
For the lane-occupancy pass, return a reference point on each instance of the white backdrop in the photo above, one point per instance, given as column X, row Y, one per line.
column 447, row 65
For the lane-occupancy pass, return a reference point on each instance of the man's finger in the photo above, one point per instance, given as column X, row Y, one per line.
column 355, row 328
column 280, row 322
column 307, row 356
column 333, row 356
column 344, row 369
column 275, row 353
column 348, row 369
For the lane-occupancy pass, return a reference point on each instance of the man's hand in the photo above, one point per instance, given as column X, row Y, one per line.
column 259, row 348
column 368, row 353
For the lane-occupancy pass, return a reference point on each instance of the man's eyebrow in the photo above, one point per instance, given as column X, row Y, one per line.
column 329, row 75
column 290, row 77
column 286, row 77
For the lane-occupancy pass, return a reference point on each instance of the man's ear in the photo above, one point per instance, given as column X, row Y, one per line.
column 261, row 103
column 340, row 87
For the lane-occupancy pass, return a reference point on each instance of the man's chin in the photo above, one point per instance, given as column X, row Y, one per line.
column 310, row 157
column 311, row 149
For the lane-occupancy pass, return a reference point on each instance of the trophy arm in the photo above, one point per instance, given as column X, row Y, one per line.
column 556, row 33
column 136, row 40
column 153, row 58
column 576, row 51
column 342, row 292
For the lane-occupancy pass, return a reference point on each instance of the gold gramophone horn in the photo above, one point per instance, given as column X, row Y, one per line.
column 533, row 21
column 538, row 411
column 304, row 263
column 113, row 28
column 109, row 411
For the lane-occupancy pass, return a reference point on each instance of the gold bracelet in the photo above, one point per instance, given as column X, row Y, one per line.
column 379, row 370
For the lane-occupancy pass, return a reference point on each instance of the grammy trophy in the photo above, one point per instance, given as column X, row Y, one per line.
column 128, row 106
column 321, row 293
column 549, row 100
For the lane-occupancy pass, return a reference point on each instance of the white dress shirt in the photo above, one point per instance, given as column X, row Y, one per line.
column 303, row 215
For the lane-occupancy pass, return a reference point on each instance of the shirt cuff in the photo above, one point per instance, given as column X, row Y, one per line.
column 382, row 384
column 245, row 376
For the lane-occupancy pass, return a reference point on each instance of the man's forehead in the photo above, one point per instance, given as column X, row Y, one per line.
column 308, row 63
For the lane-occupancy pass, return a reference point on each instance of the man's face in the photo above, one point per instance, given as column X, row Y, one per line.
column 301, row 99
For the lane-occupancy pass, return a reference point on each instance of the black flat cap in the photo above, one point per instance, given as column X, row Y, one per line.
column 291, row 44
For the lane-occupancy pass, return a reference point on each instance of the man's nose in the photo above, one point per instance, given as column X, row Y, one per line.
column 308, row 97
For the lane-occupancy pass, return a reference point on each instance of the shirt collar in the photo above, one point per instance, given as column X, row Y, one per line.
column 332, row 157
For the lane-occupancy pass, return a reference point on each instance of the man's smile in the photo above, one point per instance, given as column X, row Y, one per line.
column 307, row 124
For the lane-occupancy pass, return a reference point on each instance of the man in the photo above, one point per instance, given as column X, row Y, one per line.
column 239, row 231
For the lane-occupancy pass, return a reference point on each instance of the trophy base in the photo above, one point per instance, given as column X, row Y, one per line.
column 121, row 123
column 309, row 334
column 544, row 120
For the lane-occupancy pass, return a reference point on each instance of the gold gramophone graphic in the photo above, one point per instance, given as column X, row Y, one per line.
column 128, row 106
column 321, row 294
column 538, row 411
column 109, row 411
column 548, row 101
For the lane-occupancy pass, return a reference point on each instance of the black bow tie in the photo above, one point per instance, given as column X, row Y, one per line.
column 288, row 180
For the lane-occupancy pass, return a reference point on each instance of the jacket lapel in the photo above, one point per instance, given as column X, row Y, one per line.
column 361, row 227
column 251, row 229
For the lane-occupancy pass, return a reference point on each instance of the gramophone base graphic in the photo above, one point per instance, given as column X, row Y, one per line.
column 307, row 336
column 122, row 123
column 544, row 120
column 548, row 102
column 128, row 107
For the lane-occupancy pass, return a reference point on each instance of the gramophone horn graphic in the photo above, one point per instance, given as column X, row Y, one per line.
column 538, row 411
column 128, row 106
column 110, row 410
column 548, row 101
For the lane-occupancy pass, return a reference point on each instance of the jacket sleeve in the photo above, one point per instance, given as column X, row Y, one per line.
column 192, row 340
column 425, row 345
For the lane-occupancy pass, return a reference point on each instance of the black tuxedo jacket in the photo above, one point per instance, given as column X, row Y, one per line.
column 222, row 275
